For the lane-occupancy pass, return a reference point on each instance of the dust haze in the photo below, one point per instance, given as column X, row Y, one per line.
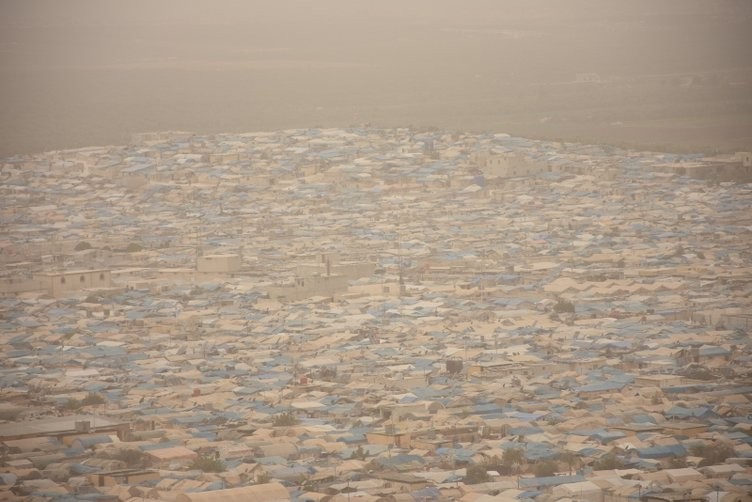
column 673, row 75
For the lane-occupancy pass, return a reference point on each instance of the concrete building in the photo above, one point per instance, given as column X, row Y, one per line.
column 60, row 427
column 59, row 283
column 509, row 165
column 307, row 287
column 271, row 492
column 218, row 263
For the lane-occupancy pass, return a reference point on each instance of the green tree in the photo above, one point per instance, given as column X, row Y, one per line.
column 91, row 398
column 563, row 306
column 263, row 477
column 359, row 453
column 284, row 420
column 328, row 374
column 134, row 247
column 512, row 459
column 72, row 404
column 475, row 474
column 712, row 453
column 131, row 457
column 677, row 463
column 608, row 461
column 545, row 469
column 208, row 464
column 570, row 459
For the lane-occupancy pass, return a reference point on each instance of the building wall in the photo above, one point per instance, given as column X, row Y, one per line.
column 404, row 487
column 227, row 264
column 123, row 477
column 430, row 444
column 660, row 381
column 355, row 270
column 579, row 491
column 692, row 432
column 329, row 264
column 734, row 321
column 306, row 287
column 731, row 171
column 738, row 169
column 400, row 411
column 507, row 165
column 60, row 283
column 223, row 158
column 400, row 440
column 10, row 285
column 133, row 181
column 745, row 158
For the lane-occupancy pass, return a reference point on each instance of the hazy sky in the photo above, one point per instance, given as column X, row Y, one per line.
column 77, row 72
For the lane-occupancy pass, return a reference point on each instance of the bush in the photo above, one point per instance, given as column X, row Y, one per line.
column 359, row 453
column 608, row 461
column 81, row 246
column 656, row 398
column 563, row 306
column 284, row 420
column 72, row 404
column 545, row 469
column 476, row 474
column 131, row 457
column 262, row 478
column 677, row 463
column 90, row 399
column 134, row 247
column 512, row 457
column 208, row 464
column 712, row 454
column 10, row 414
column 328, row 374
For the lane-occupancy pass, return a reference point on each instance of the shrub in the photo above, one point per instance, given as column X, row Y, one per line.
column 262, row 478
column 513, row 456
column 608, row 461
column 712, row 454
column 208, row 464
column 563, row 306
column 131, row 457
column 656, row 398
column 134, row 247
column 72, row 404
column 545, row 469
column 359, row 453
column 677, row 463
column 476, row 474
column 284, row 420
column 92, row 398
column 328, row 374
column 89, row 399
column 10, row 414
